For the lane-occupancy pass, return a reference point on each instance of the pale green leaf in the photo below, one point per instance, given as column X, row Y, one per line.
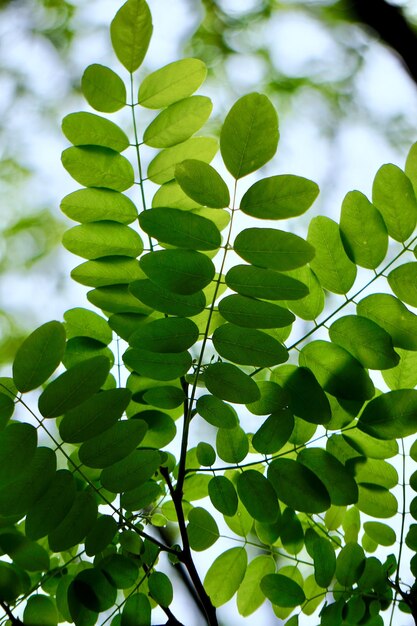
column 81, row 322
column 108, row 271
column 178, row 122
column 376, row 501
column 104, row 238
column 93, row 166
column 391, row 415
column 250, row 596
column 131, row 31
column 392, row 315
column 162, row 168
column 91, row 205
column 103, row 89
column 171, row 83
column 404, row 375
column 225, row 575
column 88, row 129
column 383, row 534
column 279, row 197
column 393, row 196
column 249, row 136
column 403, row 282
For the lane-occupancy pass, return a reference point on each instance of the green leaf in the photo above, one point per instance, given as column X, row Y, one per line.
column 404, row 375
column 298, row 487
column 324, row 561
column 103, row 89
column 279, row 197
column 166, row 301
column 90, row 205
column 258, row 496
column 160, row 588
column 76, row 524
column 390, row 313
column 331, row 264
column 248, row 346
column 182, row 271
column 24, row 553
column 202, row 529
column 250, row 596
column 170, row 334
column 180, row 228
column 131, row 472
column 93, row 590
column 93, row 166
column 113, row 444
column 403, row 281
column 6, row 408
column 18, row 443
column 367, row 445
column 306, row 397
column 282, row 591
column 108, row 271
column 171, row 83
column 350, row 564
column 141, row 497
column 373, row 471
column 94, row 415
column 88, row 129
column 39, row 356
column 99, row 239
column 196, row 487
column 273, row 248
column 158, row 365
column 223, row 495
column 101, row 535
column 263, row 283
column 202, row 183
column 273, row 398
column 393, row 196
column 137, row 607
column 376, row 501
column 311, row 305
column 40, row 610
column 232, row 444
column 241, row 523
column 178, row 122
column 381, row 533
column 274, row 432
column 251, row 313
column 370, row 344
column 249, row 136
column 335, row 477
column 216, row 412
column 225, row 575
column 52, row 507
column 120, row 570
column 74, row 386
column 206, row 454
column 391, row 415
column 81, row 322
column 131, row 31
column 339, row 373
column 228, row 382
column 162, row 168
column 363, row 231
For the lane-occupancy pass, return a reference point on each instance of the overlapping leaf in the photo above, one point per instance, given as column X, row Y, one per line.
column 273, row 249
column 171, row 83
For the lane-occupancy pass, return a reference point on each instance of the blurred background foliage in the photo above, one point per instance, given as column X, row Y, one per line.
column 344, row 84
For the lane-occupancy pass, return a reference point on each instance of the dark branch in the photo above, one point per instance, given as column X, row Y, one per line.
column 391, row 26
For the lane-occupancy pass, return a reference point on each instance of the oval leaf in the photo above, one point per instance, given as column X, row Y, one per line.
column 170, row 334
column 393, row 196
column 202, row 183
column 272, row 248
column 178, row 122
column 391, row 415
column 216, row 412
column 180, row 228
column 335, row 477
column 162, row 168
column 223, row 495
column 391, row 314
column 279, row 197
column 88, row 129
column 225, row 575
column 232, row 444
column 103, row 89
column 248, row 346
column 258, row 496
column 76, row 524
column 99, row 239
column 202, row 529
column 113, row 445
column 93, row 166
column 131, row 472
column 171, row 83
column 228, row 382
column 282, row 591
column 158, row 365
column 131, row 31
column 166, row 301
column 251, row 313
column 403, row 282
column 298, row 487
column 182, row 271
column 91, row 205
column 263, row 283
column 274, row 432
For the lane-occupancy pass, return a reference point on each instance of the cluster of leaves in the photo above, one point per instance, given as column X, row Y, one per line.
column 206, row 311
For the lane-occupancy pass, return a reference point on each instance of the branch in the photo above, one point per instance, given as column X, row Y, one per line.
column 14, row 620
column 389, row 23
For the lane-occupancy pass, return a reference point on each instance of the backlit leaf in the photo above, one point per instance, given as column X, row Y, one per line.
column 272, row 248
column 88, row 129
column 273, row 398
column 350, row 564
column 251, row 313
column 132, row 471
column 377, row 501
column 178, row 122
column 180, row 228
column 390, row 415
column 76, row 524
column 17, row 448
column 324, row 559
column 160, row 588
column 339, row 373
column 311, row 305
column 6, row 408
column 279, row 197
column 90, row 205
column 258, row 496
column 216, row 412
column 137, row 607
column 74, row 386
column 140, row 497
column 232, row 444
column 93, row 166
column 170, row 334
column 225, row 575
column 250, row 596
column 52, row 507
column 202, row 183
column 248, row 346
column 249, row 136
column 113, row 444
column 158, row 365
column 390, row 313
column 103, row 89
column 274, row 432
column 206, row 454
column 404, row 375
column 334, row 269
column 403, row 282
column 171, row 83
column 100, row 535
column 306, row 398
column 81, row 322
column 99, row 239
column 297, row 486
column 383, row 534
column 336, row 478
column 370, row 344
column 40, row 610
column 131, row 31
column 182, row 271
column 263, row 283
column 363, row 231
column 202, row 529
column 108, row 271
column 166, row 301
column 228, row 382
column 373, row 471
column 223, row 495
column 93, row 590
column 39, row 356
column 282, row 591
column 393, row 196
column 162, row 168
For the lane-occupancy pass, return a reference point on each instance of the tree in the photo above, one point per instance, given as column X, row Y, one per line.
column 291, row 434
